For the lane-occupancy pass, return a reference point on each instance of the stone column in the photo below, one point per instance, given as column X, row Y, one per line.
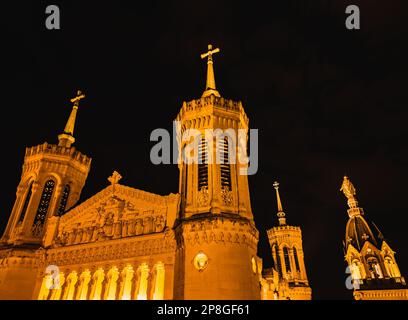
column 82, row 291
column 56, row 292
column 70, row 288
column 143, row 282
column 45, row 287
column 96, row 289
column 126, row 284
column 159, row 282
column 111, row 285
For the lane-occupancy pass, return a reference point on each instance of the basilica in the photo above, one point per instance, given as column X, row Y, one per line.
column 199, row 243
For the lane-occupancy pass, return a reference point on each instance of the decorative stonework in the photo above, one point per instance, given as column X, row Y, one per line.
column 226, row 195
column 203, row 197
column 112, row 250
column 220, row 230
column 200, row 261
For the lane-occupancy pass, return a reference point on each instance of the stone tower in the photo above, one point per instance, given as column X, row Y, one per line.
column 215, row 231
column 374, row 271
column 51, row 182
column 285, row 240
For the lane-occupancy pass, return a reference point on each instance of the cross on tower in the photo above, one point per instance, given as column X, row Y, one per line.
column 210, row 52
column 78, row 97
column 210, row 85
column 114, row 178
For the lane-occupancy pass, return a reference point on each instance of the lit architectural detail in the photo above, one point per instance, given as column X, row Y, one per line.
column 374, row 270
column 288, row 278
column 200, row 261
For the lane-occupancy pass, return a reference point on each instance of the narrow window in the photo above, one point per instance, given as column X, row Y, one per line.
column 278, row 260
column 295, row 255
column 64, row 200
column 44, row 202
column 287, row 260
column 26, row 203
column 203, row 164
column 225, row 163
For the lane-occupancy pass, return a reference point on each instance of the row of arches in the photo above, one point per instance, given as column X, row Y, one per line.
column 373, row 268
column 290, row 264
column 113, row 284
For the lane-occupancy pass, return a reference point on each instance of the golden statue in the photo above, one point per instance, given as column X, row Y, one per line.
column 348, row 189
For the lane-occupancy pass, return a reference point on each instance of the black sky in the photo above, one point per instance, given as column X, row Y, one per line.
column 327, row 101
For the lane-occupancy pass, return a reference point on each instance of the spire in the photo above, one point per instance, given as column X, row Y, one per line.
column 210, row 85
column 281, row 214
column 66, row 139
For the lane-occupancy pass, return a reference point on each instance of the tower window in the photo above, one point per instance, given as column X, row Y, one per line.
column 287, row 260
column 64, row 200
column 44, row 202
column 225, row 167
column 278, row 260
column 295, row 255
column 26, row 203
column 203, row 164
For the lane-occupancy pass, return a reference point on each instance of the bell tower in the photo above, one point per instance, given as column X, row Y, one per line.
column 374, row 270
column 51, row 182
column 215, row 231
column 291, row 281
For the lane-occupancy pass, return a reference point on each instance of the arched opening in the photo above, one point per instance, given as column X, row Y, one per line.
column 278, row 260
column 355, row 270
column 225, row 167
column 26, row 203
column 374, row 268
column 64, row 200
column 43, row 207
column 296, row 258
column 287, row 259
column 391, row 267
column 203, row 164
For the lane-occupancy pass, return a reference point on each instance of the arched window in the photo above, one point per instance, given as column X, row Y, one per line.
column 295, row 255
column 64, row 200
column 391, row 267
column 374, row 268
column 203, row 164
column 278, row 260
column 26, row 203
column 287, row 260
column 355, row 270
column 223, row 147
column 44, row 203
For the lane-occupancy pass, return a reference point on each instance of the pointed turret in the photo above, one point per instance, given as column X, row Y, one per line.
column 281, row 214
column 288, row 257
column 66, row 139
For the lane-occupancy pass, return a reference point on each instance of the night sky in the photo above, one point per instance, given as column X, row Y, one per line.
column 327, row 102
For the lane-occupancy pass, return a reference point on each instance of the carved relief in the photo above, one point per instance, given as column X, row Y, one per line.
column 226, row 195
column 111, row 219
column 203, row 197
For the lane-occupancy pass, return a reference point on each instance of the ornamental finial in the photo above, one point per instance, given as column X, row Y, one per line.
column 210, row 85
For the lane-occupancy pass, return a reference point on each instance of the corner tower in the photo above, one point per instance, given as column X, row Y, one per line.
column 290, row 280
column 215, row 231
column 51, row 182
column 374, row 270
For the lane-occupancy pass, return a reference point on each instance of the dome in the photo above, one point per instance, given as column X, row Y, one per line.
column 358, row 232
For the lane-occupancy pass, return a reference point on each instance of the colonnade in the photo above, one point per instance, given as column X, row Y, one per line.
column 129, row 283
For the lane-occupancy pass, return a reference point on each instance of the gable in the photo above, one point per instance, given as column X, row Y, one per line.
column 115, row 212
